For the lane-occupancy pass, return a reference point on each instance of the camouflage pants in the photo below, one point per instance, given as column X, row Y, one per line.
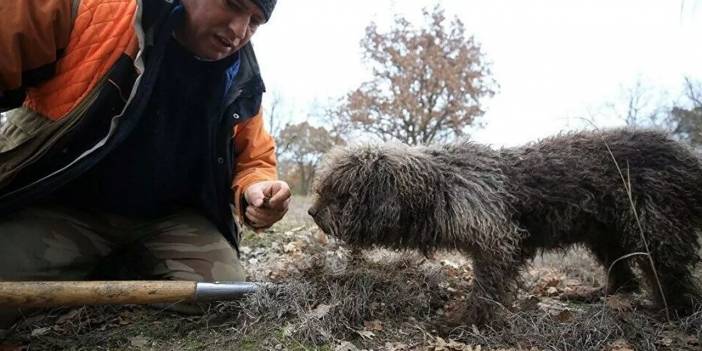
column 59, row 243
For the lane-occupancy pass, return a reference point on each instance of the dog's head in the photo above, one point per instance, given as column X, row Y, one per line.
column 374, row 195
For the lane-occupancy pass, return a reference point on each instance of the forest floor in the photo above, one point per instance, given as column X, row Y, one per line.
column 325, row 298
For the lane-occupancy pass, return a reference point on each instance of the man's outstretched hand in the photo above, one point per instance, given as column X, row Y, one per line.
column 267, row 203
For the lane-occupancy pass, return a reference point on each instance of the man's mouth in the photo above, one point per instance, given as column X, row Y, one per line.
column 226, row 43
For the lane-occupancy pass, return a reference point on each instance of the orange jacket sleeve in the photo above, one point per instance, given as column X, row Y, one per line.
column 255, row 157
column 32, row 35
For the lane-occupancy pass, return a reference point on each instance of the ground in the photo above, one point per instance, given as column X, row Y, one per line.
column 328, row 298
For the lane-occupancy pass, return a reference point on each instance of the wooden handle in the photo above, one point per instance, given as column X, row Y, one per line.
column 67, row 293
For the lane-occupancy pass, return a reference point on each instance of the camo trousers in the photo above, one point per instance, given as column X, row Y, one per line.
column 59, row 243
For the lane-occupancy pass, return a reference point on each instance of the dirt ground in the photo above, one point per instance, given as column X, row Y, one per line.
column 326, row 298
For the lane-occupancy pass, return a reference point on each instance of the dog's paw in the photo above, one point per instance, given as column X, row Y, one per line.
column 469, row 316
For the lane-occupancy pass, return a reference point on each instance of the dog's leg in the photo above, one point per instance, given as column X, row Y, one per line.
column 674, row 250
column 607, row 249
column 494, row 288
column 677, row 283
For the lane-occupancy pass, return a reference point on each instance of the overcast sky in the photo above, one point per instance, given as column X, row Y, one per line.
column 554, row 60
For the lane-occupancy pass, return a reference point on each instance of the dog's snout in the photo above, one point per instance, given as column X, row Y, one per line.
column 312, row 211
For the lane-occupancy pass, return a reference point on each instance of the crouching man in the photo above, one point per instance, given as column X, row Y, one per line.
column 134, row 142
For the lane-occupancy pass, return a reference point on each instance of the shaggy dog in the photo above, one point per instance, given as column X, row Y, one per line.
column 502, row 207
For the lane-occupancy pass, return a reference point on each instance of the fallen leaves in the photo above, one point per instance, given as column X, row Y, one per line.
column 564, row 316
column 138, row 341
column 374, row 325
column 283, row 255
column 369, row 329
column 293, row 247
column 620, row 345
column 365, row 334
column 440, row 344
column 320, row 311
column 41, row 331
column 619, row 303
column 346, row 346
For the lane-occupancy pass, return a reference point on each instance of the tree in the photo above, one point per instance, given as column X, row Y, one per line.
column 686, row 123
column 274, row 119
column 428, row 83
column 641, row 110
column 637, row 105
column 303, row 145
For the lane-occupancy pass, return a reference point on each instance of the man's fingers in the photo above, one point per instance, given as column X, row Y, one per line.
column 254, row 197
column 268, row 194
column 279, row 204
column 263, row 217
column 257, row 223
column 265, row 213
column 280, row 197
column 254, row 217
column 286, row 205
column 268, row 203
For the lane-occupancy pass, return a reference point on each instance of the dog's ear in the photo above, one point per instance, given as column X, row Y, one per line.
column 379, row 200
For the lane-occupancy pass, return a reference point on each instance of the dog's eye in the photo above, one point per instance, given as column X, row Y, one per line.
column 343, row 198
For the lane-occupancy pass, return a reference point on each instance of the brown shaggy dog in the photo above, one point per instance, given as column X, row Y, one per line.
column 502, row 207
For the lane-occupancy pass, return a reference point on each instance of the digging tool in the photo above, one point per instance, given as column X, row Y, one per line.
column 71, row 293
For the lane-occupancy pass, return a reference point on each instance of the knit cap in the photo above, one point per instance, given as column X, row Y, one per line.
column 266, row 6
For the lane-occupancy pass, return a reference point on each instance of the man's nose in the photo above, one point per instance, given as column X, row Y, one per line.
column 240, row 25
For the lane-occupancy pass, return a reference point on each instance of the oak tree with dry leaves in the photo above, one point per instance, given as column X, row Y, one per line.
column 428, row 83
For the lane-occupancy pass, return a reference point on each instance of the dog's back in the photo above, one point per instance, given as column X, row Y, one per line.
column 590, row 175
column 617, row 192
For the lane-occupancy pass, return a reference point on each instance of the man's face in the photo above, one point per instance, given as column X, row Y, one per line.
column 215, row 29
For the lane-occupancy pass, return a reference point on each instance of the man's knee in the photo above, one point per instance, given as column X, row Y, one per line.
column 189, row 247
column 221, row 267
column 47, row 244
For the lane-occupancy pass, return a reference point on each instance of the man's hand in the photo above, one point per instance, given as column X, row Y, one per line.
column 267, row 203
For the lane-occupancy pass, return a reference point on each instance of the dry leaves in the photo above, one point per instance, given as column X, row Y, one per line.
column 41, row 331
column 374, row 325
column 346, row 346
column 440, row 344
column 320, row 311
column 619, row 303
column 138, row 341
column 369, row 329
column 293, row 247
column 620, row 345
column 396, row 346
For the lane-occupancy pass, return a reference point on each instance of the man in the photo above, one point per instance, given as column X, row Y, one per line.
column 135, row 130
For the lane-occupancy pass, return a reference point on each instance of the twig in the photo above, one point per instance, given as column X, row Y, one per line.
column 627, row 187
column 609, row 271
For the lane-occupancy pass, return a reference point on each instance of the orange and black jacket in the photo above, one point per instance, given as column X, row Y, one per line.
column 75, row 76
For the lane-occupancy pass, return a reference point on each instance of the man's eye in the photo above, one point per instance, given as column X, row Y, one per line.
column 234, row 5
column 256, row 21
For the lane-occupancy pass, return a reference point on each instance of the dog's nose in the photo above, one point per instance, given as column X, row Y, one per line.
column 312, row 211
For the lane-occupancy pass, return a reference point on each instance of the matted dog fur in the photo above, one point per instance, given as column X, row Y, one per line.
column 503, row 206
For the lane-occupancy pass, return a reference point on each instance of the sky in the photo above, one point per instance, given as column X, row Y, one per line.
column 556, row 61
